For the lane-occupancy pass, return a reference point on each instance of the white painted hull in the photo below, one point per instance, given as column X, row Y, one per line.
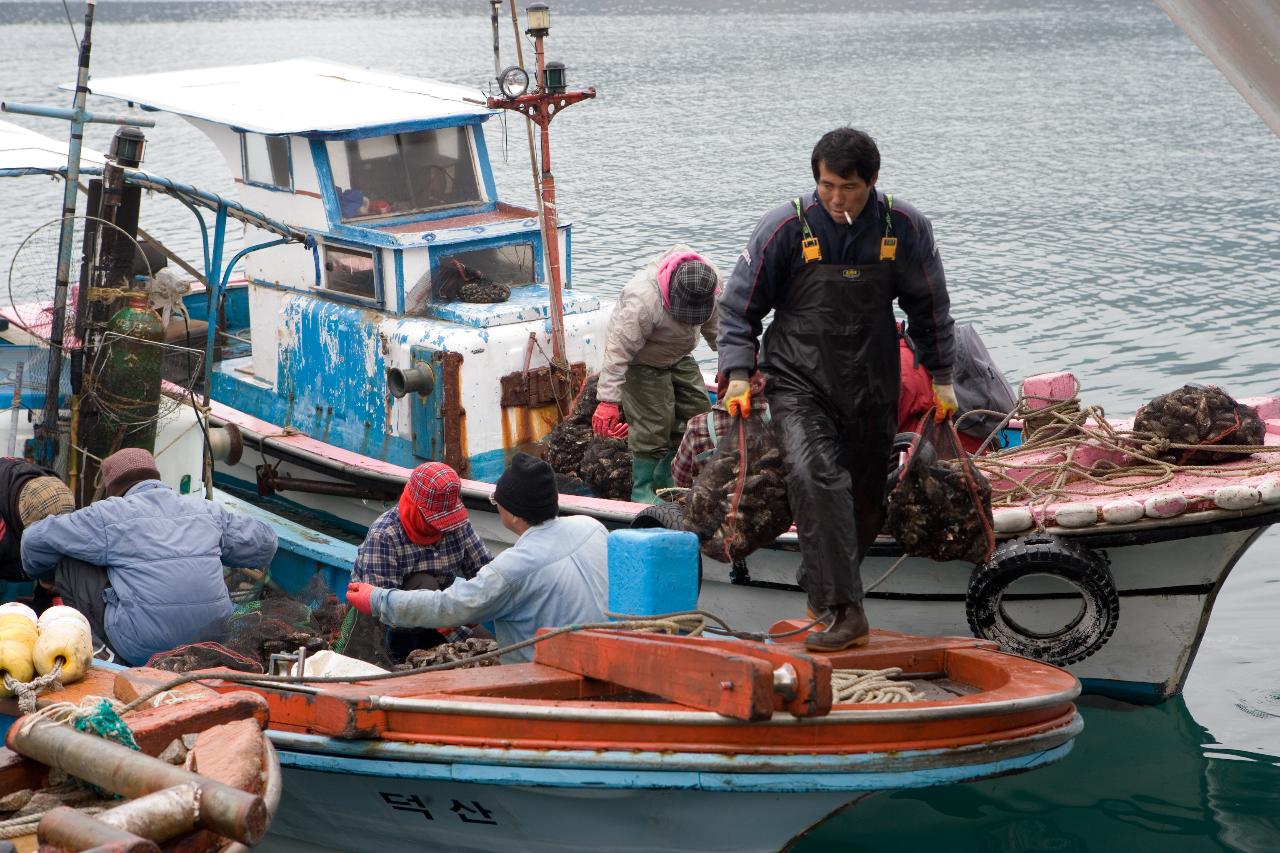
column 392, row 796
column 328, row 811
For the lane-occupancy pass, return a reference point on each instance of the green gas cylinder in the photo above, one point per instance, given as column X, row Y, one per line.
column 129, row 367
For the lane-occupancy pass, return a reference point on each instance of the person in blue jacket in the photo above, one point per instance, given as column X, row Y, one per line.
column 556, row 574
column 830, row 265
column 144, row 565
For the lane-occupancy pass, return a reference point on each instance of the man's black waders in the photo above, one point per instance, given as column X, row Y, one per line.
column 831, row 355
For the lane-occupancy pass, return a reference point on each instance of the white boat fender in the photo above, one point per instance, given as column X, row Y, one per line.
column 18, row 636
column 1122, row 512
column 1012, row 519
column 1269, row 491
column 65, row 637
column 1041, row 554
column 1077, row 514
column 1165, row 505
column 1236, row 497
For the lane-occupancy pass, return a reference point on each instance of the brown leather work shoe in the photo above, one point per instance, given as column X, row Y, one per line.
column 850, row 628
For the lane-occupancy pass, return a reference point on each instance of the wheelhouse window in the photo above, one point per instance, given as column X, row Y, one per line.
column 266, row 160
column 350, row 271
column 513, row 264
column 404, row 173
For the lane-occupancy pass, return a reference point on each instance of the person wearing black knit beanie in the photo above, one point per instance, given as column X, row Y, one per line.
column 527, row 490
column 556, row 574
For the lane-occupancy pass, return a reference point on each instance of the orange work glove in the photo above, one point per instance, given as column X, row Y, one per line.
column 944, row 402
column 737, row 397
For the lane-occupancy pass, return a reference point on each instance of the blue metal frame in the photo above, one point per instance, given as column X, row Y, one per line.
column 379, row 298
column 370, row 232
column 398, row 256
column 400, row 127
column 244, row 162
column 468, row 244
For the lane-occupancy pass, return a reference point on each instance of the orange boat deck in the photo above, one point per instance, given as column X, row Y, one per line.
column 973, row 695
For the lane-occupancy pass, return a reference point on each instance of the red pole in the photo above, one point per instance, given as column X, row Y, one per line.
column 551, row 232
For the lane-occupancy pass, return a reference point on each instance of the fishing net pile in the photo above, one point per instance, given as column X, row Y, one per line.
column 281, row 624
column 941, row 505
column 733, row 511
column 572, row 449
column 1196, row 414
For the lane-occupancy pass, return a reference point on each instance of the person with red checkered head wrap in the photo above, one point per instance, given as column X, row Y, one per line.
column 425, row 542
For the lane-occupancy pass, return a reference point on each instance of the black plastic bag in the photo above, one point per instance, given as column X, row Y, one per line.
column 941, row 505
column 736, row 511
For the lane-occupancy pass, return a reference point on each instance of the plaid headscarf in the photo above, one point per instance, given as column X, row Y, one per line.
column 436, row 492
column 42, row 497
column 692, row 292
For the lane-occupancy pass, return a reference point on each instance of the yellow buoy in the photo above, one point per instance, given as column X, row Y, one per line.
column 18, row 635
column 64, row 637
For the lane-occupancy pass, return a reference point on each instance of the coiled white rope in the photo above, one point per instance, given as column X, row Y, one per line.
column 871, row 687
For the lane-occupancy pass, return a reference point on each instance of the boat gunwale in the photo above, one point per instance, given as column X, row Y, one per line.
column 710, row 770
column 309, row 452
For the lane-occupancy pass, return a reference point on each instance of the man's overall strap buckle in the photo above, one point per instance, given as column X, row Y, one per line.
column 888, row 243
column 808, row 243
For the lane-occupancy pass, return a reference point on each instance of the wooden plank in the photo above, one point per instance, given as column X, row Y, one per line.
column 155, row 728
column 704, row 676
column 812, row 696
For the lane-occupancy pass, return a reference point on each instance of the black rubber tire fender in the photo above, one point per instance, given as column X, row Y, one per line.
column 1040, row 554
column 670, row 515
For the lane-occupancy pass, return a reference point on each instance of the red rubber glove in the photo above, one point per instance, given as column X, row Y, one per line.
column 605, row 421
column 358, row 595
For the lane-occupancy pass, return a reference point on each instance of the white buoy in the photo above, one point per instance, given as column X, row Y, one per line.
column 1269, row 491
column 1122, row 511
column 1236, row 497
column 1079, row 514
column 64, row 636
column 1165, row 505
column 1012, row 519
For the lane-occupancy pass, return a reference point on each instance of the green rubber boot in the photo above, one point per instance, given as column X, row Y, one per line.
column 643, row 467
column 662, row 473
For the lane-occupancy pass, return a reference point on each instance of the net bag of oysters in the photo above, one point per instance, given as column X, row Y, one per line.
column 1174, row 426
column 941, row 505
column 738, row 502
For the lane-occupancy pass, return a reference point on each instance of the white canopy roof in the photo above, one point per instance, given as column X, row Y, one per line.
column 298, row 96
column 25, row 150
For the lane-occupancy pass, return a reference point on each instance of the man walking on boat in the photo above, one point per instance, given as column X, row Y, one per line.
column 829, row 265
column 648, row 368
column 556, row 574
